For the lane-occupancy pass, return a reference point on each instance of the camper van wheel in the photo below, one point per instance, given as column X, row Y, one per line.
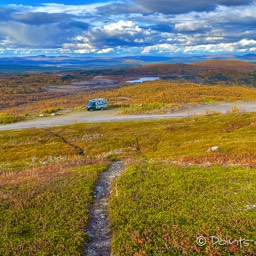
column 91, row 109
column 102, row 109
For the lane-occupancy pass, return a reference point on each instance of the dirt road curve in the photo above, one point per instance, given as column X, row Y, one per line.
column 113, row 116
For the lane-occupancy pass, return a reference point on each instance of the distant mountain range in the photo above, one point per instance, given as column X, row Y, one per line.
column 44, row 63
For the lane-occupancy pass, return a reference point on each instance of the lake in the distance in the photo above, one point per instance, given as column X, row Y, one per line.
column 143, row 79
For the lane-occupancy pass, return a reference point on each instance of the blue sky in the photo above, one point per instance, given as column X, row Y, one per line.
column 127, row 27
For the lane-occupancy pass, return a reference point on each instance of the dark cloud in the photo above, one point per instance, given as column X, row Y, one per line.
column 178, row 7
column 233, row 2
column 22, row 28
column 5, row 13
column 37, row 30
column 29, row 36
column 74, row 25
column 119, row 8
column 39, row 18
column 161, row 28
column 79, row 24
column 119, row 34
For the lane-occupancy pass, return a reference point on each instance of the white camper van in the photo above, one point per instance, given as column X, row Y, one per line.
column 96, row 104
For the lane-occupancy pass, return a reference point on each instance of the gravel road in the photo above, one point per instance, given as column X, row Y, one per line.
column 113, row 116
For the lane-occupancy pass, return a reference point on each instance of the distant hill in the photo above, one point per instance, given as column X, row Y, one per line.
column 44, row 63
column 200, row 70
column 227, row 64
column 208, row 72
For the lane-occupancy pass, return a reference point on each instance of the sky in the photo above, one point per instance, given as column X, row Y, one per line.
column 127, row 27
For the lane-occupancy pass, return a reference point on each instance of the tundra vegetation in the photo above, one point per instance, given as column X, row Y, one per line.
column 24, row 95
column 151, row 97
column 173, row 190
column 175, row 187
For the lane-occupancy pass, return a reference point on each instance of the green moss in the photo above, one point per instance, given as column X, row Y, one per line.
column 160, row 209
column 48, row 218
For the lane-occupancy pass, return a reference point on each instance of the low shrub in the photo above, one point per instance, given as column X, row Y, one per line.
column 148, row 108
column 8, row 118
column 49, row 110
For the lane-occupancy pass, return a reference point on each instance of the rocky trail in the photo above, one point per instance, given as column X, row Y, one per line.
column 99, row 225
